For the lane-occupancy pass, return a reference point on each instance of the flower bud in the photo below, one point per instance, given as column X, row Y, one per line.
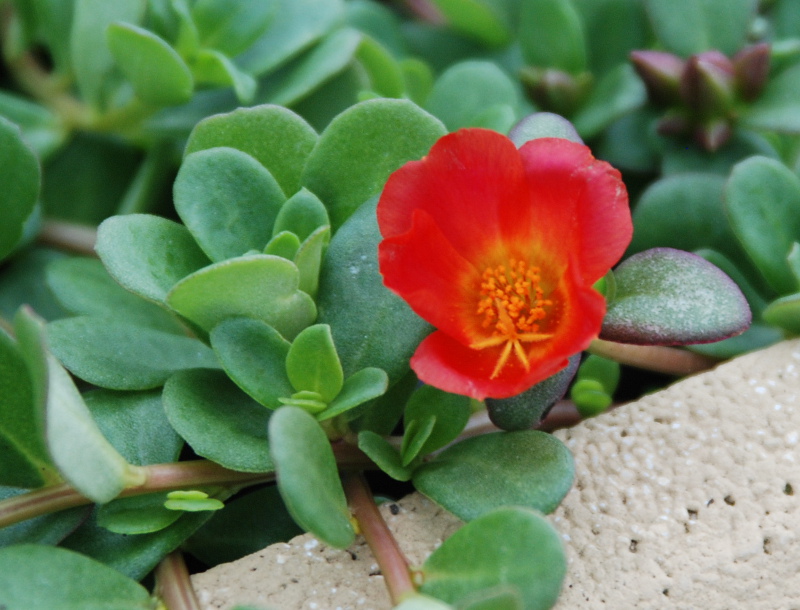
column 751, row 66
column 713, row 134
column 661, row 74
column 707, row 84
column 554, row 90
column 673, row 124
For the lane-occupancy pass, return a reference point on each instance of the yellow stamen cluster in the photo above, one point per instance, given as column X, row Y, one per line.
column 512, row 303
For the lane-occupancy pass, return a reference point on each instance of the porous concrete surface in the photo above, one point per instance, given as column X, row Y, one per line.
column 686, row 499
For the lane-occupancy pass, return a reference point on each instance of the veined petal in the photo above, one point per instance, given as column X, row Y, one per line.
column 462, row 183
column 424, row 268
column 580, row 205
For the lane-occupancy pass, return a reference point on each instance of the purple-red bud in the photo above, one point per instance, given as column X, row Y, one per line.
column 673, row 124
column 661, row 73
column 707, row 84
column 751, row 67
column 713, row 134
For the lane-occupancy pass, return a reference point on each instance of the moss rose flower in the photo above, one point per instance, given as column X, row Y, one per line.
column 498, row 248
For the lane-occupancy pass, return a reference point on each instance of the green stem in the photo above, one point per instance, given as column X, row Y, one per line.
column 392, row 562
column 659, row 358
column 69, row 236
column 173, row 585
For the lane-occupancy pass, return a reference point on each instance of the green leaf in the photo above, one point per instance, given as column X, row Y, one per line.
column 308, row 259
column 357, row 389
column 90, row 55
column 669, row 297
column 778, row 107
column 383, row 70
column 312, row 363
column 371, row 326
column 510, row 547
column 361, row 147
column 22, row 282
column 794, row 261
column 231, row 26
column 119, row 355
column 451, row 411
column 228, row 201
column 25, row 462
column 421, row 602
column 137, row 515
column 380, row 451
column 256, row 286
column 214, row 68
column 418, row 78
column 763, row 203
column 526, row 468
column 308, row 478
column 543, row 125
column 693, row 26
column 302, row 214
column 246, row 525
column 612, row 29
column 254, row 356
column 19, row 172
column 604, row 371
column 77, row 447
column 551, row 35
column 136, row 424
column 319, row 65
column 158, row 74
column 278, row 138
column 476, row 19
column 525, row 410
column 619, row 92
column 192, row 501
column 466, row 90
column 148, row 255
column 218, row 420
column 416, row 435
column 38, row 577
column 297, row 25
column 784, row 313
column 41, row 128
column 84, row 287
column 285, row 244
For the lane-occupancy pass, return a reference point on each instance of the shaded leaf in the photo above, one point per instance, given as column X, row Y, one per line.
column 380, row 451
column 19, row 172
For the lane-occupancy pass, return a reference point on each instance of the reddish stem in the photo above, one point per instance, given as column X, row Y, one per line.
column 173, row 584
column 392, row 562
column 69, row 236
column 669, row 360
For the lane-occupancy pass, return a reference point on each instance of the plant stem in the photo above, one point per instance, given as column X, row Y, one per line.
column 173, row 584
column 659, row 358
column 69, row 236
column 392, row 562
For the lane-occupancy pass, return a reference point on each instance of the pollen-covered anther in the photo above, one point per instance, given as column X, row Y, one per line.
column 511, row 303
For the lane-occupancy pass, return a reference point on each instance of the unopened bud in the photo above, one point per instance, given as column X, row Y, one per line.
column 661, row 73
column 707, row 84
column 554, row 90
column 751, row 66
column 713, row 134
column 673, row 124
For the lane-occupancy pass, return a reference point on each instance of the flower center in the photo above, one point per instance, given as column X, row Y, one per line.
column 512, row 304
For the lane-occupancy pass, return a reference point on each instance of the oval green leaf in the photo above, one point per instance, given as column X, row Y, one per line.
column 784, row 313
column 510, row 547
column 257, row 286
column 231, row 26
column 452, row 412
column 361, row 147
column 218, row 420
column 312, row 363
column 228, row 201
column 669, row 297
column 308, row 478
column 525, row 468
column 19, row 172
column 551, row 35
column 360, row 387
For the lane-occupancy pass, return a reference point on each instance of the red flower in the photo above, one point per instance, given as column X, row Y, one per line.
column 499, row 248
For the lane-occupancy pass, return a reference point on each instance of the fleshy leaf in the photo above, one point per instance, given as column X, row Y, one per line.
column 302, row 214
column 228, row 201
column 77, row 447
column 214, row 68
column 763, row 203
column 477, row 19
column 37, row 577
column 616, row 94
column 120, row 355
column 510, row 547
column 278, row 138
column 357, row 389
column 136, row 515
column 543, row 125
column 778, row 107
column 525, row 468
column 669, row 297
column 285, row 244
column 148, row 255
column 158, row 74
column 383, row 70
column 467, row 89
column 551, row 35
column 371, row 326
column 380, row 451
column 416, row 435
column 231, row 26
column 361, row 147
column 308, row 259
column 20, row 174
column 451, row 411
column 256, row 286
column 254, row 356
column 218, row 420
column 312, row 363
column 785, row 313
column 525, row 410
column 308, row 478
